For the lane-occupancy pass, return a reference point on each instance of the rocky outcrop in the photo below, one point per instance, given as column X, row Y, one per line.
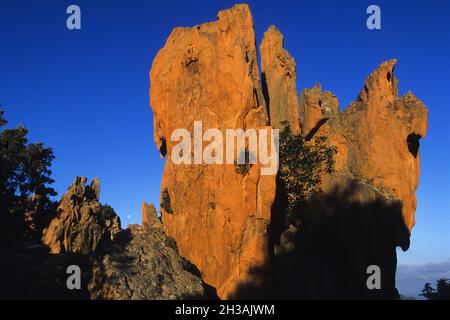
column 366, row 209
column 142, row 263
column 138, row 263
column 279, row 76
column 227, row 221
column 217, row 215
column 377, row 136
column 82, row 223
column 144, row 266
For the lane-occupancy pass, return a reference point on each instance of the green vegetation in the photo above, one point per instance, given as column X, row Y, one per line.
column 171, row 243
column 25, row 194
column 302, row 165
column 442, row 291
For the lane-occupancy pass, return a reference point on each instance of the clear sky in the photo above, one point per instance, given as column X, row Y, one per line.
column 85, row 93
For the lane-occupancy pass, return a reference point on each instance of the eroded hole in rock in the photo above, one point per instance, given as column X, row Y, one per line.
column 389, row 76
column 192, row 65
column 163, row 148
column 413, row 142
column 165, row 201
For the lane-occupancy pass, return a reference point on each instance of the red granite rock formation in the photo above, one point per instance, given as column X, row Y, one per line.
column 218, row 215
column 377, row 136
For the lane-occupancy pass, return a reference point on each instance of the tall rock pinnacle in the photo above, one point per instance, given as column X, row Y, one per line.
column 279, row 75
column 377, row 136
column 218, row 216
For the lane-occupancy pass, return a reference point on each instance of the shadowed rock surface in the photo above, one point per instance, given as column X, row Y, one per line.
column 377, row 136
column 30, row 272
column 138, row 263
column 368, row 203
column 220, row 220
column 144, row 264
column 343, row 232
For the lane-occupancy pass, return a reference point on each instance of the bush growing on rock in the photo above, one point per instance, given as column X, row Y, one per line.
column 302, row 165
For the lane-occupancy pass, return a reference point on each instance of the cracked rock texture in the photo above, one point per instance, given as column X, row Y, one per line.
column 377, row 136
column 82, row 223
column 218, row 216
column 138, row 263
column 279, row 75
column 143, row 265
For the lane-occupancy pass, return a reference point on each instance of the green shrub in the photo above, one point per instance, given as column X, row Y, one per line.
column 302, row 165
column 442, row 291
column 171, row 243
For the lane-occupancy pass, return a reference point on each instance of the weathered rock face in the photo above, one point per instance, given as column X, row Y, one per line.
column 368, row 204
column 377, row 136
column 217, row 215
column 149, row 215
column 220, row 217
column 144, row 266
column 82, row 223
column 140, row 263
column 279, row 75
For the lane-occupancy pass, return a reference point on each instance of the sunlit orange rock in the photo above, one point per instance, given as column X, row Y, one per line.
column 377, row 136
column 279, row 75
column 218, row 216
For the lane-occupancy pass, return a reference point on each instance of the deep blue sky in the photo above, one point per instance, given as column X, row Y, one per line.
column 85, row 93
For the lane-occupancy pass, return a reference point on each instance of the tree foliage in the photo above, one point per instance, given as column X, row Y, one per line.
column 442, row 291
column 302, row 165
column 24, row 182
